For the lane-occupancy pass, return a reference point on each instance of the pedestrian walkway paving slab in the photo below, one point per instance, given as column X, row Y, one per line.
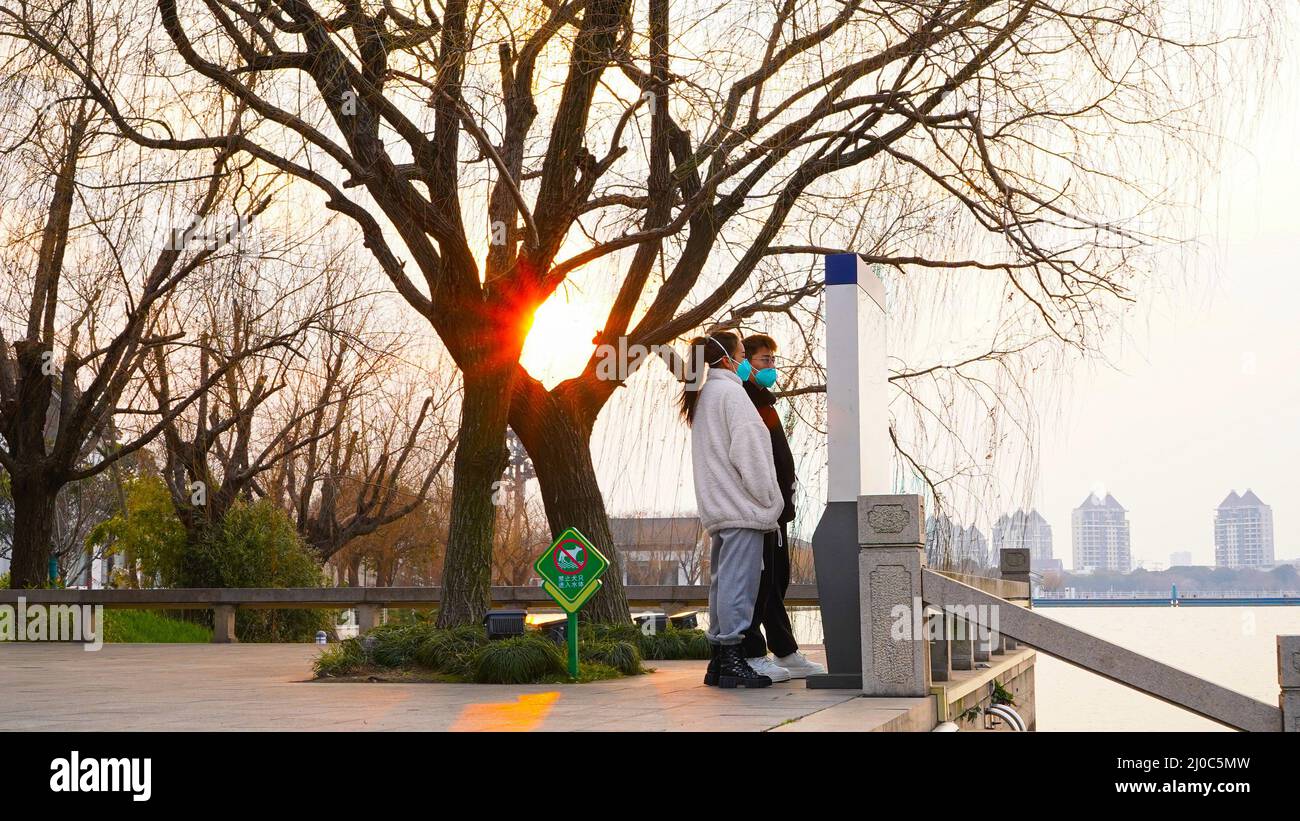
column 267, row 687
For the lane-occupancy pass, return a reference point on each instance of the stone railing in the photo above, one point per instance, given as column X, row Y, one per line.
column 894, row 584
column 1003, row 588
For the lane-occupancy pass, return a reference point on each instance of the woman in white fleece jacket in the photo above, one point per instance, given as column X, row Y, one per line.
column 737, row 495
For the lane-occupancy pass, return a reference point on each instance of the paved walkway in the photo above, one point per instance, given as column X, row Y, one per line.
column 267, row 687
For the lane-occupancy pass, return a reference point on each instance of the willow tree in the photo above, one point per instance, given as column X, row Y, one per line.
column 1028, row 144
column 489, row 152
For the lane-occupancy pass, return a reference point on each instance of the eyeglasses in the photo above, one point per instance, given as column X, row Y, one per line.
column 768, row 360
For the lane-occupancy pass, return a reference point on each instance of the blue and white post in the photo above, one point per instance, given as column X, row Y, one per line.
column 859, row 454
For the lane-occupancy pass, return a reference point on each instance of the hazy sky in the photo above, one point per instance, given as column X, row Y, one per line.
column 1207, row 398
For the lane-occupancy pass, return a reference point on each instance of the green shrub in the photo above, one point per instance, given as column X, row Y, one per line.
column 465, row 653
column 609, row 632
column 620, row 655
column 517, row 660
column 697, row 644
column 663, row 645
column 256, row 545
column 340, row 659
column 144, row 626
column 4, row 580
column 450, row 651
column 387, row 649
column 674, row 643
column 147, row 532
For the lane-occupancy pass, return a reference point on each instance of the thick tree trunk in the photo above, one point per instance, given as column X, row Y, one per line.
column 34, row 501
column 33, row 487
column 560, row 449
column 480, row 460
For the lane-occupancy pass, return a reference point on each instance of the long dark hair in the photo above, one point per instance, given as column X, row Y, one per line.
column 703, row 349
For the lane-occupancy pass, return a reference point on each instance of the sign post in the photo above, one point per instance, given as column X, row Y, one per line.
column 571, row 569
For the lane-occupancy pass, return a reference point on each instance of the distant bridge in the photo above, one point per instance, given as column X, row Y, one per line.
column 1226, row 598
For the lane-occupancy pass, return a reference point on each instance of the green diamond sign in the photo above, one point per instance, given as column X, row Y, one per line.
column 571, row 569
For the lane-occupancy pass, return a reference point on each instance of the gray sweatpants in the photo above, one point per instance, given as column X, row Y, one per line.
column 735, row 569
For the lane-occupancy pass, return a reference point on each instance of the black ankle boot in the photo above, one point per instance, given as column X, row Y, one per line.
column 734, row 671
column 711, row 674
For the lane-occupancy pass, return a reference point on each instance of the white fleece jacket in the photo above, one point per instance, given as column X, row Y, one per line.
column 731, row 452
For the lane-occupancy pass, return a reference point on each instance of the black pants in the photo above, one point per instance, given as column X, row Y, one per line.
column 769, row 608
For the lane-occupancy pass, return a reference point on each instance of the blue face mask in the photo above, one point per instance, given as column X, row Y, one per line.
column 766, row 378
column 743, row 367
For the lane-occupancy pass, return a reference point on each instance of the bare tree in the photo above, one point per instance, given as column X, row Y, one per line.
column 384, row 450
column 89, row 268
column 218, row 449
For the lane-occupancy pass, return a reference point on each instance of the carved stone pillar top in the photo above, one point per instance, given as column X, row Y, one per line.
column 1014, row 560
column 891, row 520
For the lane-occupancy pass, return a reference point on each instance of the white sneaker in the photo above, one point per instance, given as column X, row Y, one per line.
column 797, row 665
column 764, row 666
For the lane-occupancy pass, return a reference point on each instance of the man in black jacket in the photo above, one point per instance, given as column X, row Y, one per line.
column 769, row 610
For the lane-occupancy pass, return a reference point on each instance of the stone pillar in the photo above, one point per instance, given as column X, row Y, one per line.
column 895, row 649
column 1288, row 676
column 961, row 643
column 859, row 454
column 996, row 645
column 369, row 616
column 1013, row 565
column 223, row 624
column 939, row 647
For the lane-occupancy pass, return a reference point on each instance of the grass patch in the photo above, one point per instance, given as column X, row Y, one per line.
column 145, row 626
column 588, row 671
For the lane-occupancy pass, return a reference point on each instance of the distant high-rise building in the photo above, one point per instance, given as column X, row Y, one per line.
column 1024, row 529
column 1180, row 558
column 974, row 546
column 1243, row 532
column 1101, row 536
column 949, row 545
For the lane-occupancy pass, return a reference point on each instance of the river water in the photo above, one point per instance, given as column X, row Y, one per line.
column 1232, row 646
